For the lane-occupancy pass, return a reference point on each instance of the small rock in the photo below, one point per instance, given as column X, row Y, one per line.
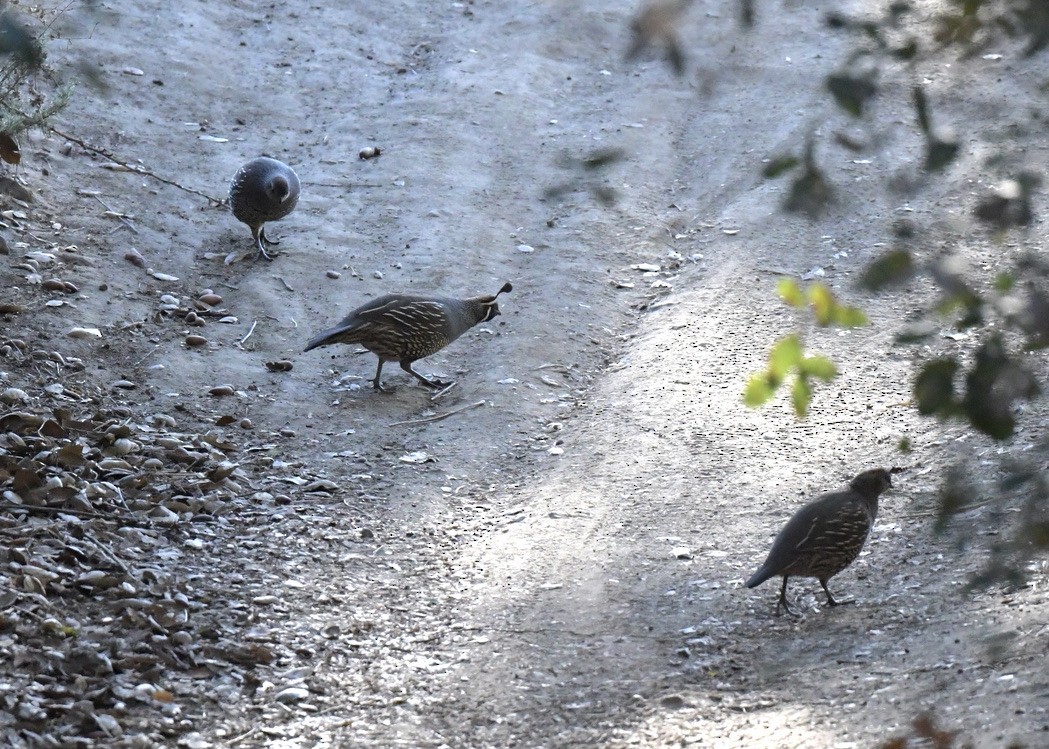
column 14, row 395
column 333, row 274
column 369, row 152
column 196, row 340
column 291, row 694
column 84, row 333
column 135, row 258
column 222, row 390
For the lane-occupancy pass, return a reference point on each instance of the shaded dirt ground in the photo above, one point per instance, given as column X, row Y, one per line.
column 565, row 568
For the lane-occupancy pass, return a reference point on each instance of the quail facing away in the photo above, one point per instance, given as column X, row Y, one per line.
column 262, row 190
column 403, row 328
column 825, row 536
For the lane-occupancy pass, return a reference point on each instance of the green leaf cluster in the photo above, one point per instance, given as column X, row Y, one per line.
column 827, row 309
column 786, row 359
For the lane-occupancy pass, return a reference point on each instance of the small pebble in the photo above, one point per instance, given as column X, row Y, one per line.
column 333, row 274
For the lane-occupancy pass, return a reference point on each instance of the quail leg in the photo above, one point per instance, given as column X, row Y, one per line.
column 259, row 235
column 375, row 383
column 783, row 600
column 831, row 601
column 266, row 240
column 434, row 383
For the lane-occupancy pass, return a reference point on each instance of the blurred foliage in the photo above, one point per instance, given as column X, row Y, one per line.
column 656, row 25
column 589, row 174
column 810, row 193
column 997, row 318
column 924, row 734
column 787, row 357
column 22, row 103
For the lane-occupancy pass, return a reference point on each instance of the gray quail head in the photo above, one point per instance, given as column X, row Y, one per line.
column 262, row 190
column 825, row 536
column 404, row 328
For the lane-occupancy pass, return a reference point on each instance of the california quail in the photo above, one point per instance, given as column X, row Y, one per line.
column 262, row 190
column 825, row 536
column 403, row 328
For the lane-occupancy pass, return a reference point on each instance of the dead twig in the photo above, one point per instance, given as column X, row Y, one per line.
column 438, row 417
column 117, row 215
column 256, row 322
column 245, row 735
column 133, row 167
column 47, row 510
column 443, row 391
column 286, row 284
column 151, row 352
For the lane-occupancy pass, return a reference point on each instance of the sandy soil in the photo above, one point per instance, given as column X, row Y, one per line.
column 566, row 567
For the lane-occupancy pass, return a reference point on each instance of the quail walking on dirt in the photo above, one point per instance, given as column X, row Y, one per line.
column 404, row 328
column 825, row 536
column 262, row 190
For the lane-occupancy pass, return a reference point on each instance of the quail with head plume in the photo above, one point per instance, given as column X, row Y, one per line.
column 262, row 190
column 404, row 328
column 825, row 536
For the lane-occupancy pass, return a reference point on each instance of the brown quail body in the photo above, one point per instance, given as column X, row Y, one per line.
column 261, row 191
column 825, row 536
column 404, row 328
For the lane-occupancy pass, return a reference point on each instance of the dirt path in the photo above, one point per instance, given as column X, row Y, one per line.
column 566, row 568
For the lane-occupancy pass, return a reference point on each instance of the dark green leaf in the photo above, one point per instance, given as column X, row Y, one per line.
column 939, row 153
column 893, row 267
column 921, row 108
column 779, row 165
column 851, row 92
column 602, row 157
column 934, row 387
column 992, row 385
column 810, row 194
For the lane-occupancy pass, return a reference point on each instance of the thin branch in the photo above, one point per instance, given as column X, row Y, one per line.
column 438, row 417
column 138, row 169
column 256, row 322
column 117, row 214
